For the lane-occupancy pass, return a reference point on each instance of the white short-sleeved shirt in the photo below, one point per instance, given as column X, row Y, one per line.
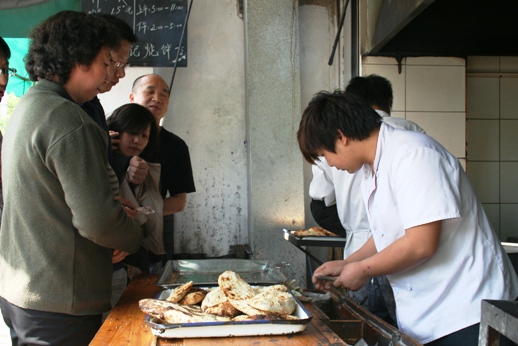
column 343, row 188
column 416, row 182
column 348, row 199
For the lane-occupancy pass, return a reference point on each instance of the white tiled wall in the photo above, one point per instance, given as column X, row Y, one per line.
column 492, row 138
column 430, row 91
column 471, row 107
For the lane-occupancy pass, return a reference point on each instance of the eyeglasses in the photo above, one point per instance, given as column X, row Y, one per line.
column 120, row 65
column 8, row 72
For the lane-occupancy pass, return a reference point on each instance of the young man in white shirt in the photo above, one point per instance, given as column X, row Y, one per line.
column 332, row 188
column 430, row 234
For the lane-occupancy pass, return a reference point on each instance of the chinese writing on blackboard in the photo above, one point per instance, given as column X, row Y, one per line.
column 158, row 24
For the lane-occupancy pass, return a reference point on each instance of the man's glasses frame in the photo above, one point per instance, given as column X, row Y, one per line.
column 8, row 71
column 119, row 64
column 122, row 65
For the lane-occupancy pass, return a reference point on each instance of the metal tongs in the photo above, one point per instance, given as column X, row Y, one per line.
column 344, row 290
column 327, row 278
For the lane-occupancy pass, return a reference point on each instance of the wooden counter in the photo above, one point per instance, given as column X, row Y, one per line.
column 125, row 325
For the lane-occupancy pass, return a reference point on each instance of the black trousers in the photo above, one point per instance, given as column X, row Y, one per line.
column 33, row 327
column 464, row 337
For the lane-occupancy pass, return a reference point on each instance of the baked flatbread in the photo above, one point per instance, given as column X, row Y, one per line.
column 179, row 292
column 216, row 302
column 313, row 232
column 223, row 309
column 232, row 297
column 273, row 302
column 173, row 313
column 213, row 298
column 234, row 286
column 243, row 306
column 193, row 297
column 261, row 289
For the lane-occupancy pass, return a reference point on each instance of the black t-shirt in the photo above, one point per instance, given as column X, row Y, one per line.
column 176, row 171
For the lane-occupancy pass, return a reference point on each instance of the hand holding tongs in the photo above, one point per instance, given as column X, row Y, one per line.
column 327, row 278
column 344, row 290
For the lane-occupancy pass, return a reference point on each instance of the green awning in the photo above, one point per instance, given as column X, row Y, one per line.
column 17, row 22
column 19, row 83
column 15, row 27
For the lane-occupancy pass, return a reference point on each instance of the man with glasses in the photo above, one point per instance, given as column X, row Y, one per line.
column 116, row 72
column 137, row 170
column 5, row 73
column 134, row 169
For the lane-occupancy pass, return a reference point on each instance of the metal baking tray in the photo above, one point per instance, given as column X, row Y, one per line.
column 206, row 272
column 314, row 240
column 229, row 328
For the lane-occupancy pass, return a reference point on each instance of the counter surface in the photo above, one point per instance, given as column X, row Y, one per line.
column 125, row 325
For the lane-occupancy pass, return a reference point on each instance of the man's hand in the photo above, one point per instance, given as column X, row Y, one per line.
column 332, row 268
column 118, row 256
column 129, row 208
column 349, row 275
column 352, row 276
column 114, row 138
column 137, row 170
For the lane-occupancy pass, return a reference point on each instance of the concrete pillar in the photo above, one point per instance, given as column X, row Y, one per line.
column 273, row 109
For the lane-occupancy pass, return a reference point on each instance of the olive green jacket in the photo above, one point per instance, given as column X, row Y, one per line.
column 60, row 220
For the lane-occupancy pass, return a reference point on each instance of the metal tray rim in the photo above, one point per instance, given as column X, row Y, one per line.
column 161, row 327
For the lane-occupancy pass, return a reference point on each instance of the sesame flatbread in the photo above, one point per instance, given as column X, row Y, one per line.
column 213, row 298
column 179, row 292
column 234, row 286
column 216, row 302
column 243, row 306
column 193, row 297
column 274, row 302
column 261, row 289
column 173, row 313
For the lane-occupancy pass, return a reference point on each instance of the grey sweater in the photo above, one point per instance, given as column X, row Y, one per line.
column 60, row 220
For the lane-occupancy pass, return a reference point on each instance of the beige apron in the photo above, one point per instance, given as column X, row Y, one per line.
column 148, row 194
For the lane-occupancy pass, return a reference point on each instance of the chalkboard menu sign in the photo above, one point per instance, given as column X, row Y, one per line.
column 158, row 24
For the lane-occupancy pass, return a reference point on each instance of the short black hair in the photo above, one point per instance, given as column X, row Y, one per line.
column 134, row 118
column 4, row 49
column 374, row 89
column 65, row 39
column 326, row 114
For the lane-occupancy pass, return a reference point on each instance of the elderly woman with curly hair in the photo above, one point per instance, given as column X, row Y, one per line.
column 62, row 218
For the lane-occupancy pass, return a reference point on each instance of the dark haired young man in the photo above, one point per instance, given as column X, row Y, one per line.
column 430, row 234
column 337, row 200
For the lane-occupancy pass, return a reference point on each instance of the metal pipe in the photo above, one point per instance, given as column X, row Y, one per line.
column 337, row 38
column 180, row 46
column 355, row 39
